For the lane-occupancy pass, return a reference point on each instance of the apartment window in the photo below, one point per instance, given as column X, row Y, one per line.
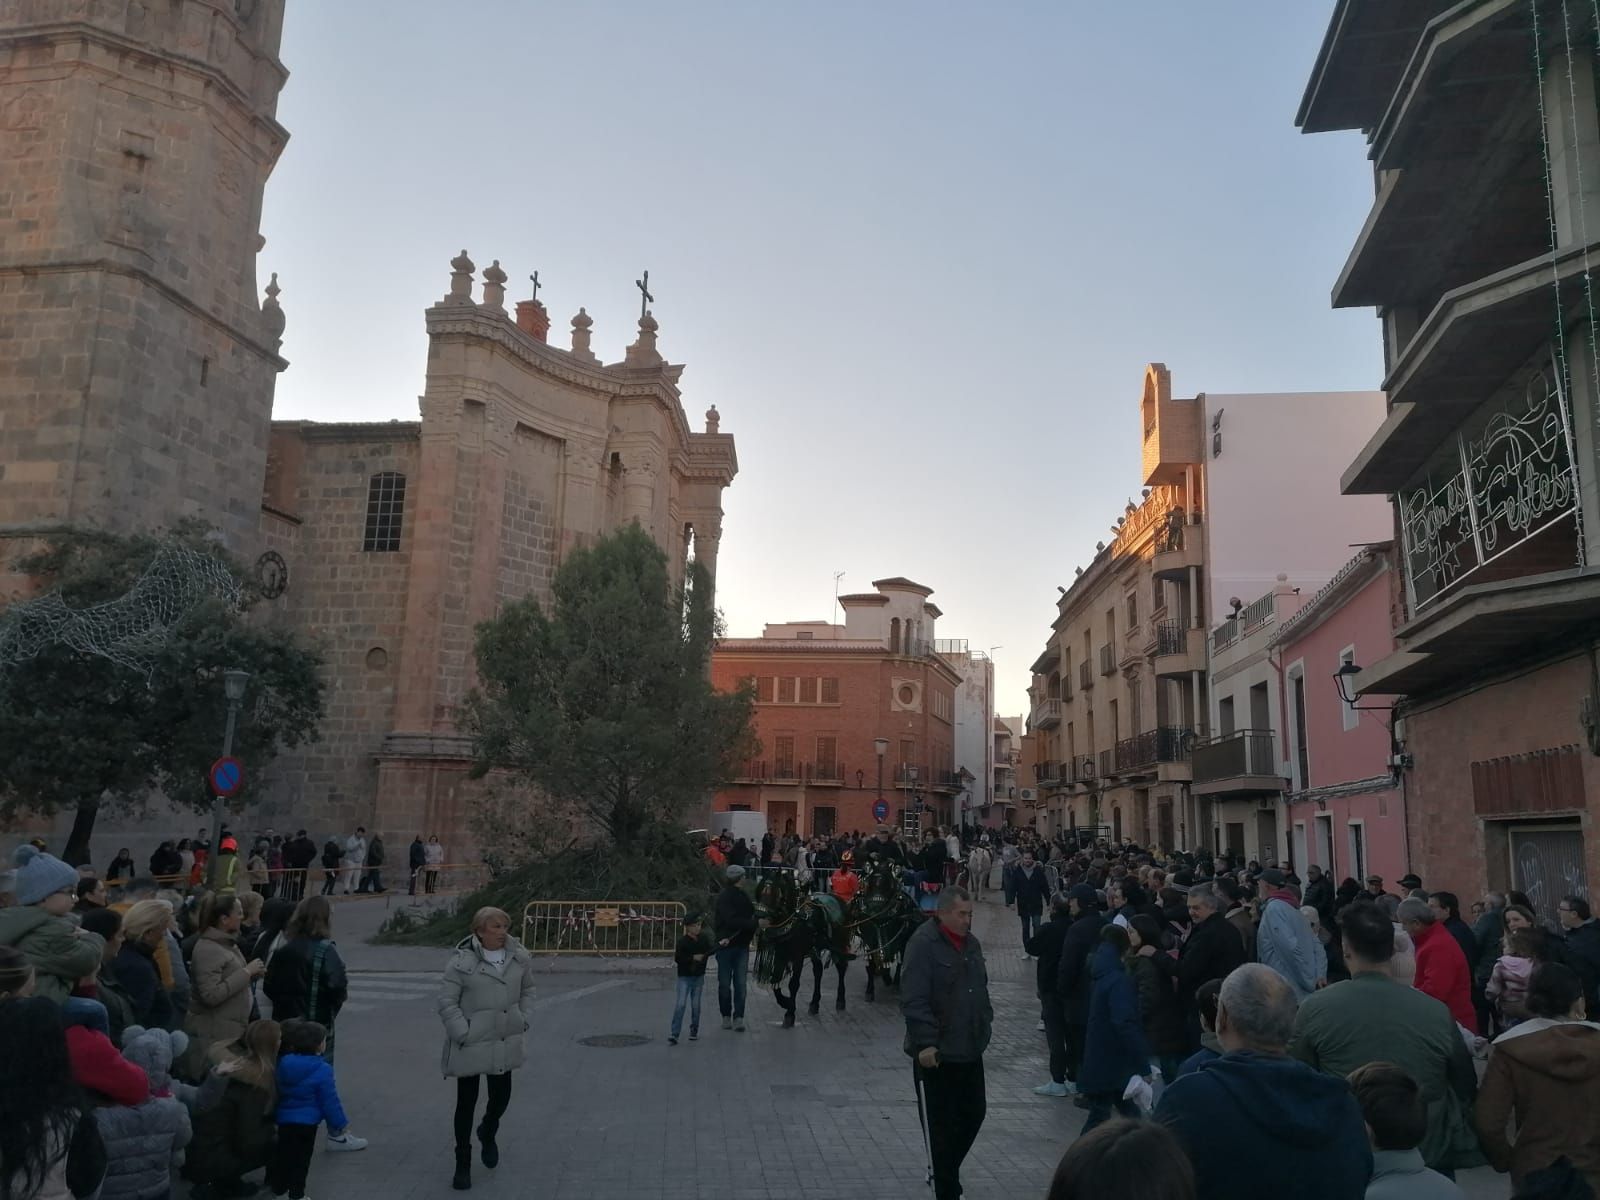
column 908, row 750
column 804, row 635
column 1135, row 708
column 783, row 754
column 1358, row 851
column 827, row 756
column 764, row 689
column 1133, row 609
column 1225, row 717
column 830, row 691
column 808, row 690
column 1157, row 600
column 1348, row 713
column 386, row 502
column 786, row 689
column 1302, row 751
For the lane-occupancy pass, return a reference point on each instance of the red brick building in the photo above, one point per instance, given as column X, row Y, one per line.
column 826, row 697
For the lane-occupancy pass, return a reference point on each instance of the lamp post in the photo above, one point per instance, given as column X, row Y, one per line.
column 880, row 746
column 234, row 681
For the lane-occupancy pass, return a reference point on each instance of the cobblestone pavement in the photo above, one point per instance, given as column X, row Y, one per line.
column 822, row 1110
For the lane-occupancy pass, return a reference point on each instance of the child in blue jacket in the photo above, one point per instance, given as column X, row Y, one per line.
column 306, row 1098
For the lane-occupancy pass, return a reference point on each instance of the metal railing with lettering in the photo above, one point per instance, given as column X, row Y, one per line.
column 602, row 927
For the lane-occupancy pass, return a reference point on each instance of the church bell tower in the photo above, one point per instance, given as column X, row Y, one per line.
column 138, row 357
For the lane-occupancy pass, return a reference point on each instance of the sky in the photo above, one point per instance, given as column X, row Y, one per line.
column 917, row 253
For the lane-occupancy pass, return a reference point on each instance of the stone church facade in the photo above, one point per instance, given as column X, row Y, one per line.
column 137, row 368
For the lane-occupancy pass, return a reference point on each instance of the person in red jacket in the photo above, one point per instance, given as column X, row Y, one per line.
column 1442, row 970
column 97, row 1066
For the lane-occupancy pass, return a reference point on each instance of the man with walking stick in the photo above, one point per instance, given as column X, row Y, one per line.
column 944, row 998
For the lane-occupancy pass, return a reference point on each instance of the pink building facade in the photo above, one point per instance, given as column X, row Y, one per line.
column 1346, row 808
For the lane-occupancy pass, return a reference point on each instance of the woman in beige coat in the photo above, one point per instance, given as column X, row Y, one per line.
column 486, row 1004
column 219, row 1003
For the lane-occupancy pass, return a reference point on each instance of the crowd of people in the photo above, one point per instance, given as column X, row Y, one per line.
column 1235, row 1031
column 154, row 1030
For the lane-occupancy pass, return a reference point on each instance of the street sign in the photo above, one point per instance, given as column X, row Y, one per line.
column 226, row 775
column 880, row 811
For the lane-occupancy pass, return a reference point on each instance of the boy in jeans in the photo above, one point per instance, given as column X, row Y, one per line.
column 307, row 1097
column 691, row 954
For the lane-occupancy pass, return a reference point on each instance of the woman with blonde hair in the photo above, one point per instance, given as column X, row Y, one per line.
column 305, row 979
column 486, row 1004
column 235, row 1125
column 144, row 928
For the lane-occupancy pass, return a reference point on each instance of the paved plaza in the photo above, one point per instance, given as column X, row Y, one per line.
column 824, row 1110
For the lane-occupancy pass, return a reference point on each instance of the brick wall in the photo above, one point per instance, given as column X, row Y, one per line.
column 1451, row 847
column 350, row 602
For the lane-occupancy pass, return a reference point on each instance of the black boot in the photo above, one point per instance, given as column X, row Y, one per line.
column 491, row 1152
column 462, row 1181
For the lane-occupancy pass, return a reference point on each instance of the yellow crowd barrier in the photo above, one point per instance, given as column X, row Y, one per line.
column 602, row 926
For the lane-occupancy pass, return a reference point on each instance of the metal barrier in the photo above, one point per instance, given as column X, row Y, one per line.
column 602, row 927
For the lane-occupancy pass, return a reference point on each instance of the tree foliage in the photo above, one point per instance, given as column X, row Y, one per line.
column 603, row 702
column 78, row 731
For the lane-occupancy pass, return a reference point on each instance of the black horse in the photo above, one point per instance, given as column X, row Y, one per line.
column 798, row 926
column 884, row 918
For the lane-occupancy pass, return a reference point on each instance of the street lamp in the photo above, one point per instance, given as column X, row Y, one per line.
column 234, row 682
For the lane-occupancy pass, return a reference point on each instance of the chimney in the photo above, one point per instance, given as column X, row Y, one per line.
column 533, row 319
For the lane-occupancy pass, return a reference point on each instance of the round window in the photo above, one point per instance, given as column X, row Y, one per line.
column 907, row 694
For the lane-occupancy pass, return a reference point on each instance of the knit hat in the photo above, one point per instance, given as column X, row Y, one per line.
column 735, row 872
column 40, row 875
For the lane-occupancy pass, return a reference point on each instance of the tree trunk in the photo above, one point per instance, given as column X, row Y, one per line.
column 77, row 852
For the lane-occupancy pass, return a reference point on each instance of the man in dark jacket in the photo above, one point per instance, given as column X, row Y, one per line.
column 1072, row 972
column 416, row 859
column 734, row 920
column 1447, row 911
column 1029, row 885
column 1581, row 942
column 1212, row 950
column 298, row 854
column 1319, row 893
column 944, row 999
column 1046, row 947
column 1255, row 1123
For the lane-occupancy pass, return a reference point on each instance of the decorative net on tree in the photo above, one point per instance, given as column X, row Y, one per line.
column 131, row 629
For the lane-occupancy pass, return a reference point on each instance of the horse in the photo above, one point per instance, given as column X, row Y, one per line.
column 797, row 926
column 884, row 917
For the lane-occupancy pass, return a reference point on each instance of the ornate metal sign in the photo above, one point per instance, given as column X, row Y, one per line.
column 1512, row 482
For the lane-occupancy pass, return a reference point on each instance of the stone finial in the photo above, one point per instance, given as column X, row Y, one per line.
column 271, row 313
column 581, row 324
column 713, row 419
column 494, row 287
column 643, row 352
column 461, row 269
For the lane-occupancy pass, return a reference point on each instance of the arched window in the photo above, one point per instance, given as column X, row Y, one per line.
column 386, row 502
column 894, row 635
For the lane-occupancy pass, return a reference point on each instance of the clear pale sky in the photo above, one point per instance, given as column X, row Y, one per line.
column 916, row 252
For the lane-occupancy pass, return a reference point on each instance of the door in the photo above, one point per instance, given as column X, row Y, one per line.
column 1358, row 851
column 823, row 817
column 1324, row 824
column 1267, row 835
column 1547, row 863
column 1164, row 825
column 1116, row 824
column 1235, row 838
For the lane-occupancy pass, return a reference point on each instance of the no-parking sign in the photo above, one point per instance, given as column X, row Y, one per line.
column 227, row 776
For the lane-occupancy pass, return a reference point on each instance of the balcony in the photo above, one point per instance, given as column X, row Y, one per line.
column 1085, row 677
column 1108, row 660
column 1046, row 714
column 1145, row 752
column 1108, row 763
column 1179, row 650
column 1178, row 546
column 927, row 779
column 1047, row 661
column 825, row 774
column 1243, row 763
column 1047, row 774
column 789, row 773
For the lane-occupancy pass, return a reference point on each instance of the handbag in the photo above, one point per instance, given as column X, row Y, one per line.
column 317, row 956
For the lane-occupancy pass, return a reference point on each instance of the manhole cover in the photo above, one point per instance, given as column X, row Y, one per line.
column 613, row 1041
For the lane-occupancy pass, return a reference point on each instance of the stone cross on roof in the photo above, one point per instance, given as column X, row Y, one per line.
column 645, row 298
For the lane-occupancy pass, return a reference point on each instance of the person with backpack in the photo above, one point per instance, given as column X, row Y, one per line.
column 306, row 978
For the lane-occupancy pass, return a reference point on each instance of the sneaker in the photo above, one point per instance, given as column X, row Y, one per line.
column 672, row 1041
column 1052, row 1089
column 727, row 1022
column 738, row 1025
column 694, row 1035
column 345, row 1141
column 1041, row 1024
column 1024, row 954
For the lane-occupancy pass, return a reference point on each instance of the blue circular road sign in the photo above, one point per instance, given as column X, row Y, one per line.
column 226, row 775
column 880, row 810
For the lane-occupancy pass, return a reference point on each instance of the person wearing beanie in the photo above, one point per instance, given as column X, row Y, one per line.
column 37, row 925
